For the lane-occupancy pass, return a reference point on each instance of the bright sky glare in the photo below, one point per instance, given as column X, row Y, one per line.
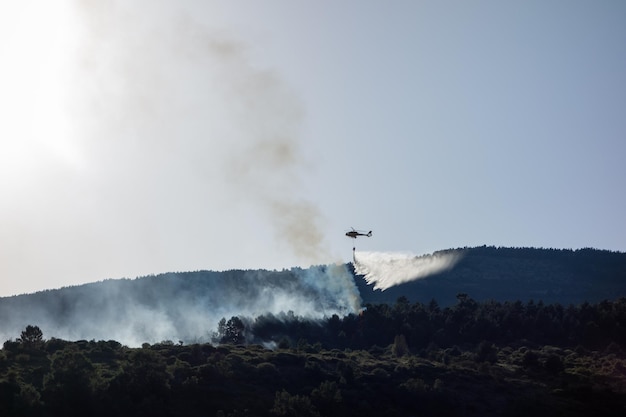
column 153, row 136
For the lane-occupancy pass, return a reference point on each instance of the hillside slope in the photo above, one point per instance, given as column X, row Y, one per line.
column 508, row 274
column 187, row 306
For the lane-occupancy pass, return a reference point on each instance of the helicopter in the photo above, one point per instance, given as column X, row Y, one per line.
column 354, row 233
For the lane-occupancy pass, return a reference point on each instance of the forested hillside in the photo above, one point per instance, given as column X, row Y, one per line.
column 471, row 359
column 179, row 306
column 188, row 305
column 507, row 274
column 505, row 332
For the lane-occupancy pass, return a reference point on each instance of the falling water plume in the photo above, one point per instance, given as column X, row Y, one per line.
column 385, row 270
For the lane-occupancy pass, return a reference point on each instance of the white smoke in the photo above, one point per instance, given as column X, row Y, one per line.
column 142, row 137
column 184, row 306
column 385, row 270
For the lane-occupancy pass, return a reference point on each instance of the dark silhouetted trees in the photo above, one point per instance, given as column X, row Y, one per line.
column 231, row 331
column 477, row 358
column 31, row 337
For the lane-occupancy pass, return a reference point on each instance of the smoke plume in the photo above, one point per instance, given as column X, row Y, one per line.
column 182, row 306
column 190, row 100
column 180, row 149
column 384, row 270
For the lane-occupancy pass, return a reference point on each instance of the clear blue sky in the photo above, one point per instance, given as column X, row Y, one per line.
column 171, row 136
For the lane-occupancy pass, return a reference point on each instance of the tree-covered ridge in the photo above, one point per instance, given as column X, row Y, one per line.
column 188, row 305
column 538, row 273
column 592, row 326
column 562, row 276
column 179, row 306
column 473, row 358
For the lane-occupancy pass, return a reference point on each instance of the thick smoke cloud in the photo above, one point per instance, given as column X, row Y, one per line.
column 385, row 270
column 184, row 306
column 179, row 152
column 188, row 101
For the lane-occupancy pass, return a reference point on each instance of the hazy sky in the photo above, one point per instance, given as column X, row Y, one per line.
column 141, row 137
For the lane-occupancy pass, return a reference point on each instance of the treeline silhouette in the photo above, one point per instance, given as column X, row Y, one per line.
column 472, row 358
column 591, row 326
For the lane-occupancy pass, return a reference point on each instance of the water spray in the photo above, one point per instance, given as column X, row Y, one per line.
column 384, row 270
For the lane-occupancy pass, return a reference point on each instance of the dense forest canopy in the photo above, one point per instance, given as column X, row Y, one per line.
column 473, row 358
